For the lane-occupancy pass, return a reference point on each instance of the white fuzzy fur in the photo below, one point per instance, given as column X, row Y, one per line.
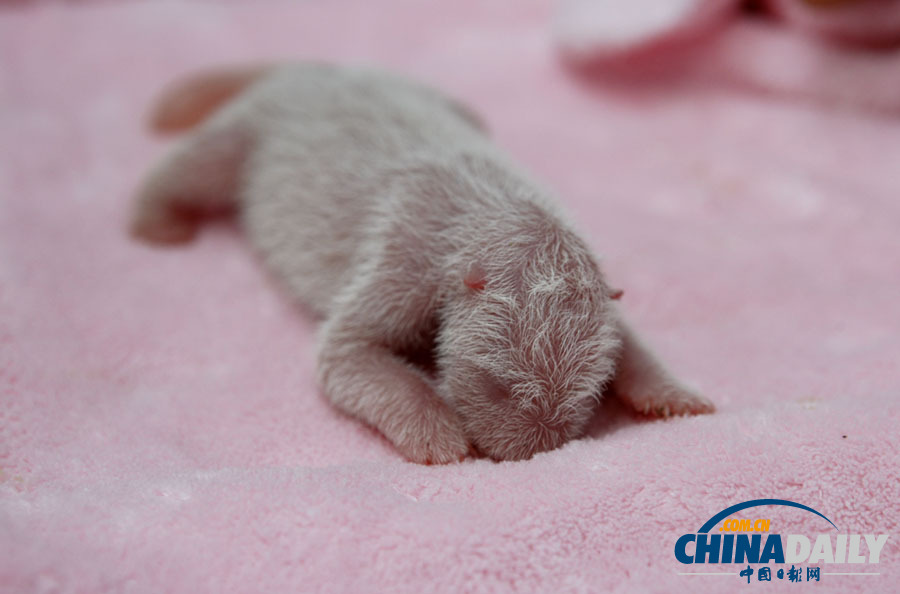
column 383, row 207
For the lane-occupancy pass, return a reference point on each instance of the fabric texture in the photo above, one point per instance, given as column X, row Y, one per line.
column 160, row 427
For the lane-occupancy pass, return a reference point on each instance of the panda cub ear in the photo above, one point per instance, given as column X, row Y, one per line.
column 475, row 277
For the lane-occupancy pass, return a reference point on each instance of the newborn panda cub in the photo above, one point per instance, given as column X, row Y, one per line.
column 459, row 309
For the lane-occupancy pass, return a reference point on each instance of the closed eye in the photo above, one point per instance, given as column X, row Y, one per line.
column 495, row 390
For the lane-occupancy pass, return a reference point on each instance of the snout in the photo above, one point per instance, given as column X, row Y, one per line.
column 521, row 436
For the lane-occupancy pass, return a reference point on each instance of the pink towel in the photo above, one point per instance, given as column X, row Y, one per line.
column 160, row 428
column 836, row 52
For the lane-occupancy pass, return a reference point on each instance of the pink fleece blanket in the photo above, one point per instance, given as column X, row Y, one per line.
column 160, row 429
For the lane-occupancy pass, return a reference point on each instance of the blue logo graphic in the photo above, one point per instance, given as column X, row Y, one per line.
column 748, row 541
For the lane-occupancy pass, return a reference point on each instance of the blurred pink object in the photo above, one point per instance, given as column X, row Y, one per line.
column 841, row 52
column 607, row 29
column 862, row 22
